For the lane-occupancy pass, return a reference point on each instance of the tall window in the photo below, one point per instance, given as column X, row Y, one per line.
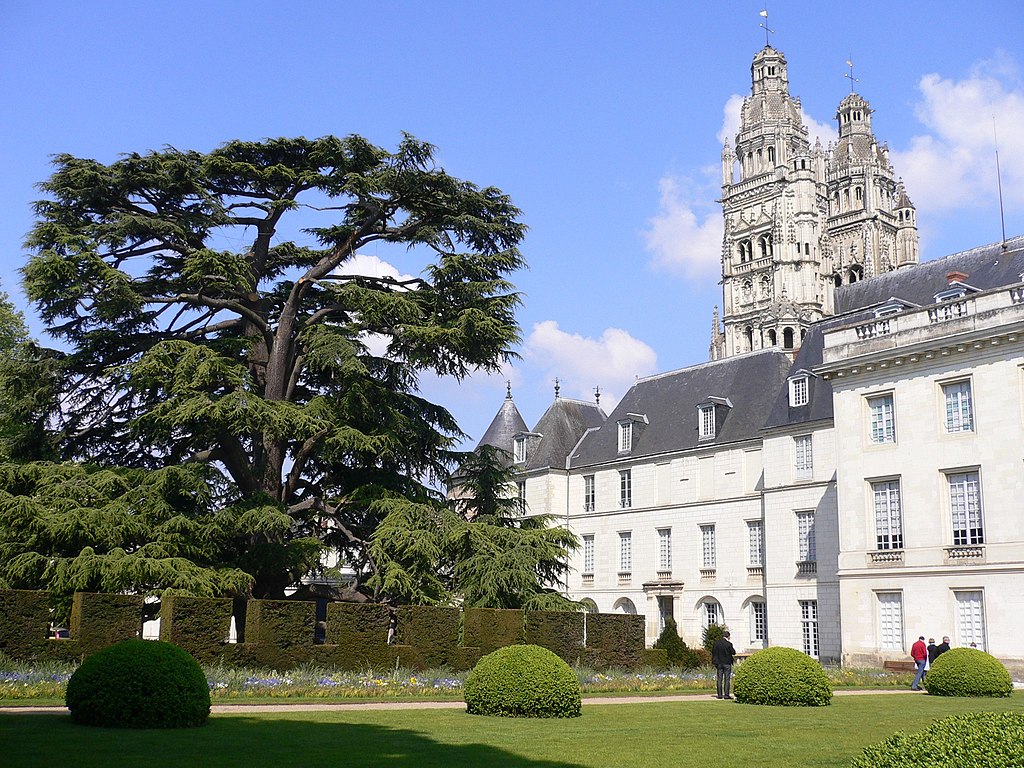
column 758, row 622
column 883, row 419
column 971, row 618
column 711, row 613
column 521, row 491
column 625, row 551
column 625, row 435
column 755, row 539
column 965, row 506
column 890, row 621
column 588, row 553
column 802, row 445
column 706, row 415
column 805, row 537
column 664, row 549
column 707, row 537
column 626, row 488
column 519, row 450
column 809, row 626
column 589, row 499
column 959, row 412
column 888, row 514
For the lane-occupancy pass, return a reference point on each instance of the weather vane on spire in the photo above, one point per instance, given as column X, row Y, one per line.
column 764, row 25
column 849, row 75
column 558, row 387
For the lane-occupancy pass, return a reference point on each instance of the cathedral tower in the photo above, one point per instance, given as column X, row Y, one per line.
column 799, row 219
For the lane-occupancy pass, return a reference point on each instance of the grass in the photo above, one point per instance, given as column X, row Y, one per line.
column 654, row 734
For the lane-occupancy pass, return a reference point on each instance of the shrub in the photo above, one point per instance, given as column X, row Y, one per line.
column 139, row 684
column 782, row 677
column 679, row 653
column 973, row 740
column 522, row 681
column 968, row 672
column 712, row 633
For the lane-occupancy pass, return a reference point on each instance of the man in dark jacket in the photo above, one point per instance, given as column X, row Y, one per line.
column 722, row 656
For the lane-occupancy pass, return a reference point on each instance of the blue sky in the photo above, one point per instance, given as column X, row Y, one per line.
column 603, row 121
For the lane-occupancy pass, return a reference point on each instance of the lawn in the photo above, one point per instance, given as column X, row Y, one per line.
column 651, row 734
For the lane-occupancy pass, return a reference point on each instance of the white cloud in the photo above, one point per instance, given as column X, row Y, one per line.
column 826, row 131
column 612, row 361
column 953, row 165
column 730, row 120
column 685, row 237
column 371, row 266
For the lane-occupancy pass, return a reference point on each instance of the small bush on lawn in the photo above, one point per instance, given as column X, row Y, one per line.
column 968, row 672
column 139, row 684
column 712, row 633
column 522, row 681
column 782, row 677
column 974, row 740
column 678, row 652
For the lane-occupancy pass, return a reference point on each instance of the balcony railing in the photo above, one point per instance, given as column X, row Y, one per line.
column 881, row 327
column 886, row 557
column 664, row 575
column 707, row 573
column 588, row 579
column 807, row 568
column 949, row 310
column 965, row 554
column 625, row 578
column 755, row 571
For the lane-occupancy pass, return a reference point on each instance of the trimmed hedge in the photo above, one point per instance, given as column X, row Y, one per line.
column 357, row 636
column 522, row 681
column 200, row 625
column 26, row 619
column 782, row 677
column 973, row 740
column 139, row 684
column 968, row 672
column 490, row 628
column 560, row 633
column 279, row 633
column 614, row 640
column 101, row 620
column 431, row 631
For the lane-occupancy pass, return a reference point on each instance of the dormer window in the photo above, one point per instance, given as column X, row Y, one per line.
column 799, row 391
column 519, row 450
column 706, row 421
column 625, row 436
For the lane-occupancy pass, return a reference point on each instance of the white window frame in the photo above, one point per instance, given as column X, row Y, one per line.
column 887, row 503
column 664, row 549
column 890, row 621
column 799, row 391
column 809, row 627
column 970, row 617
column 755, row 541
column 519, row 450
column 625, row 436
column 758, row 621
column 803, row 449
column 706, row 422
column 589, row 494
column 965, row 507
column 806, row 544
column 588, row 553
column 958, row 400
column 882, row 418
column 521, row 490
column 625, row 552
column 711, row 614
column 625, row 488
column 707, row 539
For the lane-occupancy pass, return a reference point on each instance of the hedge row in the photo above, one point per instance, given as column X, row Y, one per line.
column 280, row 633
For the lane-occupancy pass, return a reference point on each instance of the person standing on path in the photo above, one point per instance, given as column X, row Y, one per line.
column 722, row 656
column 919, row 652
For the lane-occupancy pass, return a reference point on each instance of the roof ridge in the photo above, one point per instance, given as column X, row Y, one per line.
column 708, row 363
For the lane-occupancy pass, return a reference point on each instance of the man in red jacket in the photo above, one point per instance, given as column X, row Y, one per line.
column 919, row 652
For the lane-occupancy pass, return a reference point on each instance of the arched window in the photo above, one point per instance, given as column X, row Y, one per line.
column 856, row 273
column 787, row 338
column 711, row 613
column 624, row 605
column 838, row 280
column 588, row 605
column 749, row 333
column 771, row 154
column 771, row 337
column 803, row 334
column 859, row 194
column 764, row 244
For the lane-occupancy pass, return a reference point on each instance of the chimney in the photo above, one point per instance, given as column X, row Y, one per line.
column 955, row 277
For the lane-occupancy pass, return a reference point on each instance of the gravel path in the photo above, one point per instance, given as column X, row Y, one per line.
column 357, row 705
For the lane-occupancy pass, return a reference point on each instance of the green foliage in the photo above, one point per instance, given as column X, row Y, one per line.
column 678, row 652
column 560, row 633
column 712, row 634
column 489, row 629
column 279, row 633
column 968, row 672
column 615, row 640
column 101, row 620
column 199, row 625
column 782, row 677
column 139, row 684
column 433, row 631
column 253, row 362
column 522, row 681
column 972, row 740
column 24, row 620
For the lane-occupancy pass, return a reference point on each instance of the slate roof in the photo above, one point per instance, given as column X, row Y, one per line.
column 561, row 427
column 507, row 423
column 988, row 266
column 670, row 400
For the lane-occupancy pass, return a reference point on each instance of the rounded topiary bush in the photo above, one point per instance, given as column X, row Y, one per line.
column 139, row 684
column 522, row 681
column 782, row 677
column 968, row 672
column 973, row 740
